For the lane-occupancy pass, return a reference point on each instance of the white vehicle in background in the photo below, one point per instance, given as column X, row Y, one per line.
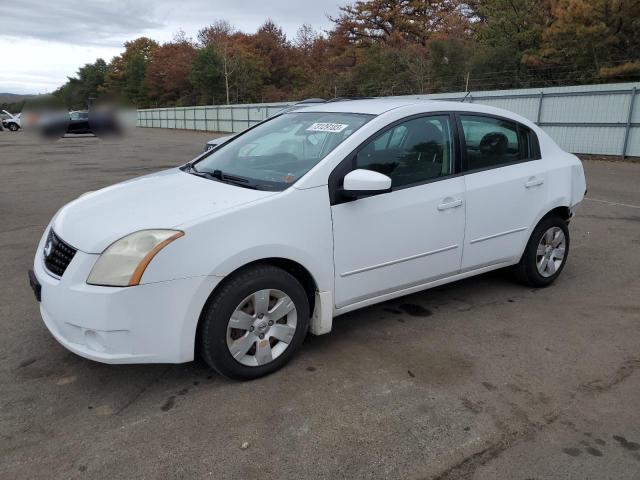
column 217, row 141
column 304, row 103
column 11, row 122
column 306, row 216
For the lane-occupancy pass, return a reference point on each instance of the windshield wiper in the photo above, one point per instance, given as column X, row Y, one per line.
column 220, row 176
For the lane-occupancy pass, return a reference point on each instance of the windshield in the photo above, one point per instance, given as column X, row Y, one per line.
column 278, row 152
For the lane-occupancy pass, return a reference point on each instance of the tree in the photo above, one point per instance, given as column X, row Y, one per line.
column 306, row 37
column 377, row 72
column 92, row 78
column 393, row 21
column 508, row 32
column 167, row 76
column 448, row 65
column 416, row 63
column 378, row 47
column 599, row 36
column 86, row 86
column 206, row 74
column 126, row 73
column 220, row 36
column 274, row 48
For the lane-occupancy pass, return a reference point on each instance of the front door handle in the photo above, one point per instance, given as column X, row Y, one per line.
column 534, row 182
column 449, row 203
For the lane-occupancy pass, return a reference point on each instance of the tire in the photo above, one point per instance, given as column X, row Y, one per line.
column 541, row 264
column 13, row 127
column 255, row 313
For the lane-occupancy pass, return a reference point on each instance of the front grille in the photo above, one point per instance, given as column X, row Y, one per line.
column 57, row 254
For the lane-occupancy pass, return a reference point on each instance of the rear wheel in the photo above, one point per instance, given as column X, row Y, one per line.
column 545, row 254
column 255, row 323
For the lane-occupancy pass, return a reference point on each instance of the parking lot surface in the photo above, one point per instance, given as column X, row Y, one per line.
column 478, row 379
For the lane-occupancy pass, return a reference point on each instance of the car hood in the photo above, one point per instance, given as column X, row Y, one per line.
column 166, row 199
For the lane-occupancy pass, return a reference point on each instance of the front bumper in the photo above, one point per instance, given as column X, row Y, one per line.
column 148, row 323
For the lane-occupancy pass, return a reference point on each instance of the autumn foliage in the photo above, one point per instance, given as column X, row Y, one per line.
column 378, row 47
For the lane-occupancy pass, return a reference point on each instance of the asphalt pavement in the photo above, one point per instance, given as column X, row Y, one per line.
column 478, row 379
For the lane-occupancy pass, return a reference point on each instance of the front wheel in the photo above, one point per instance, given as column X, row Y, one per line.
column 255, row 323
column 13, row 127
column 545, row 254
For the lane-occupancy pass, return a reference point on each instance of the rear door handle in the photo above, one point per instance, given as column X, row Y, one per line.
column 449, row 204
column 534, row 182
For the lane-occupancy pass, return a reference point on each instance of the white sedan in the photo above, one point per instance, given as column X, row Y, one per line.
column 306, row 216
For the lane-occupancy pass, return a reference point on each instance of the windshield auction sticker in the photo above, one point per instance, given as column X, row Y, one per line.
column 327, row 127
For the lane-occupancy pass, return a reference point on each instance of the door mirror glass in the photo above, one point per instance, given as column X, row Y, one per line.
column 362, row 183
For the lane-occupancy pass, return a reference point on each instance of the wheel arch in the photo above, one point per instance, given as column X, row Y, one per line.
column 560, row 208
column 562, row 211
column 299, row 272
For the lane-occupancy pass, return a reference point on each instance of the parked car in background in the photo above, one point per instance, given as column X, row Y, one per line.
column 304, row 103
column 217, row 141
column 308, row 215
column 79, row 122
column 11, row 122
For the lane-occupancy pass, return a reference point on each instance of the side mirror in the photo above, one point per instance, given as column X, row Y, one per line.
column 365, row 183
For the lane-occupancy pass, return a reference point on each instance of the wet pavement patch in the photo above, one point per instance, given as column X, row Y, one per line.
column 626, row 444
column 473, row 407
column 574, row 452
column 169, row 404
column 593, row 451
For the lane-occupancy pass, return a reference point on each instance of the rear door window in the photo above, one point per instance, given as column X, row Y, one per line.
column 492, row 142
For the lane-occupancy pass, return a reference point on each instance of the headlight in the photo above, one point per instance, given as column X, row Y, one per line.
column 124, row 261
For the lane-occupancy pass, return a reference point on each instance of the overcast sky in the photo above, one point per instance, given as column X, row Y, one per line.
column 44, row 41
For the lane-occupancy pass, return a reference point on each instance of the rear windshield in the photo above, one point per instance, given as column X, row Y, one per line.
column 278, row 152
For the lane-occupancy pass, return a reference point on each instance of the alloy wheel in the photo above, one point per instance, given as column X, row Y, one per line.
column 550, row 252
column 261, row 327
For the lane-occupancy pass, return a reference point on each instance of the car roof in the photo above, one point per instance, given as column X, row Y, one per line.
column 374, row 106
column 378, row 106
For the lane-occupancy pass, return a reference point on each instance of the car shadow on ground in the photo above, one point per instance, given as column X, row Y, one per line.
column 460, row 296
